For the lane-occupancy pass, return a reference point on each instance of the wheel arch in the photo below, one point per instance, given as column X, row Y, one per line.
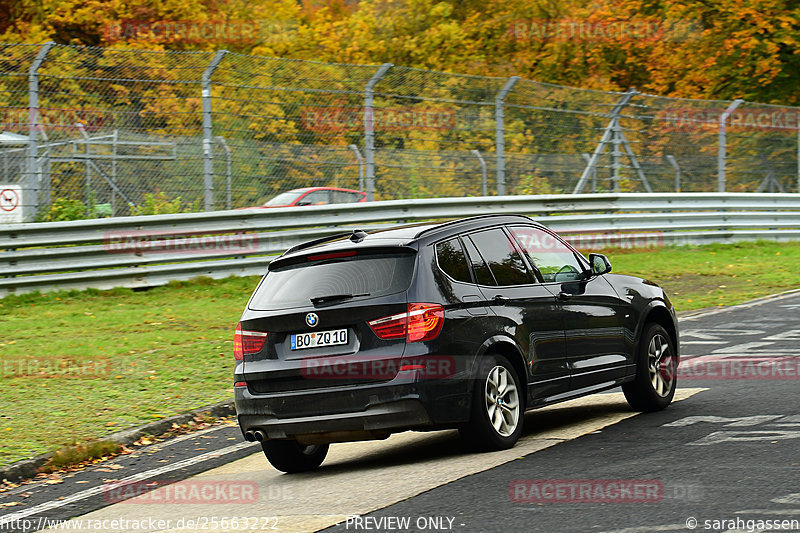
column 501, row 345
column 659, row 314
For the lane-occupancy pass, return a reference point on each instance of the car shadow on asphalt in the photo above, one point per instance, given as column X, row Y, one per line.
column 447, row 443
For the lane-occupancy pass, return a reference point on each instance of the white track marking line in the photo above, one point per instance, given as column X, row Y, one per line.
column 158, row 446
column 753, row 303
column 94, row 491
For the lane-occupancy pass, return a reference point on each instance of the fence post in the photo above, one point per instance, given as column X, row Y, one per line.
column 87, row 170
column 369, row 128
column 612, row 129
column 360, row 160
column 31, row 187
column 616, row 140
column 208, row 135
column 500, row 139
column 674, row 163
column 723, row 141
column 227, row 149
column 588, row 159
column 114, row 151
column 484, row 180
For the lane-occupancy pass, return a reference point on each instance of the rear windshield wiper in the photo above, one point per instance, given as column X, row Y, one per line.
column 333, row 297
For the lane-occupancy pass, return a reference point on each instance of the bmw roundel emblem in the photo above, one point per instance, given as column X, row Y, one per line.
column 312, row 319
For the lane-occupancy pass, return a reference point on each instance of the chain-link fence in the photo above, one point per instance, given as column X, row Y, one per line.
column 224, row 130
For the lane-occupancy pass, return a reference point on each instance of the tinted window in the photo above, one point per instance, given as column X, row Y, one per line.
column 284, row 198
column 345, row 197
column 295, row 285
column 315, row 198
column 483, row 275
column 503, row 259
column 452, row 260
column 554, row 259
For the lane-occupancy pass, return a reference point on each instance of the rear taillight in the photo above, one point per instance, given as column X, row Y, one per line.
column 425, row 321
column 247, row 342
column 422, row 322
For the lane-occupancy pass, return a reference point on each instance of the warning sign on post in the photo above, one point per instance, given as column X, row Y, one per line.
column 10, row 204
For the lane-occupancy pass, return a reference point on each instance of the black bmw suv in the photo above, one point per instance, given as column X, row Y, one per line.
column 463, row 324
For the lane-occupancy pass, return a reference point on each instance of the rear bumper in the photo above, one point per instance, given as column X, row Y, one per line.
column 376, row 422
column 354, row 412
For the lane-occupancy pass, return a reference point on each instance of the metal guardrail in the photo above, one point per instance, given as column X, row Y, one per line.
column 152, row 250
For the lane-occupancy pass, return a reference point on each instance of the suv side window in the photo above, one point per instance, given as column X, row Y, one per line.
column 483, row 276
column 502, row 257
column 554, row 259
column 452, row 260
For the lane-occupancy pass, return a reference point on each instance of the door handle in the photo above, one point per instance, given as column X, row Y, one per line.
column 499, row 298
column 565, row 295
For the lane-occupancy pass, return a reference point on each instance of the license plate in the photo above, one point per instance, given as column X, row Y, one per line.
column 318, row 339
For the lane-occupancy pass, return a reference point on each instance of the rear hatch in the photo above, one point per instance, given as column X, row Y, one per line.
column 326, row 320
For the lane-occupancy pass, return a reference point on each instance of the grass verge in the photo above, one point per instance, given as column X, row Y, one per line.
column 716, row 274
column 77, row 366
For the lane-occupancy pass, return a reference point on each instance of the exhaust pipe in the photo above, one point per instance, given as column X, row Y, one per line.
column 260, row 436
column 249, row 436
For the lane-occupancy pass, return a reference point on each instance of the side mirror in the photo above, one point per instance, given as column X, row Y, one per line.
column 599, row 264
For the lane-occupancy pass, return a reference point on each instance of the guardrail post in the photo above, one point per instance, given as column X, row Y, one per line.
column 500, row 132
column 369, row 128
column 31, row 187
column 360, row 160
column 484, row 180
column 723, row 140
column 208, row 134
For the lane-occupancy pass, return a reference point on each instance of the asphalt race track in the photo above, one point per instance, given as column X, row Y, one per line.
column 723, row 457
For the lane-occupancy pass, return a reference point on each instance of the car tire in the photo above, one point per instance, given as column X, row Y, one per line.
column 292, row 457
column 656, row 371
column 498, row 406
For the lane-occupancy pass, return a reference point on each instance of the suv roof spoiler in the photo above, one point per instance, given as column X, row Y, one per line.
column 356, row 235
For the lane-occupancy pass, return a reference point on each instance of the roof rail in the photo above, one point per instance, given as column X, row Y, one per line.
column 465, row 220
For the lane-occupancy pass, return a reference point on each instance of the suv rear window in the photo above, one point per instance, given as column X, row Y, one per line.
column 295, row 285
